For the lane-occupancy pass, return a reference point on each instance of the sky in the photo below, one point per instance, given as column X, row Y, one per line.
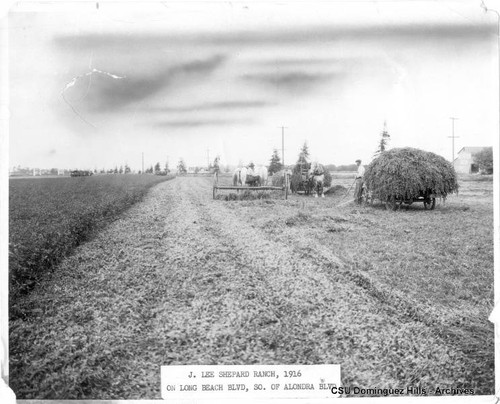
column 99, row 88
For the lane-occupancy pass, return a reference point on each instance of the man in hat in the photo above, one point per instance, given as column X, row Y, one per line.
column 358, row 191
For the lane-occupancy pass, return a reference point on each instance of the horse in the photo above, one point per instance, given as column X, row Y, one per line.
column 262, row 173
column 257, row 176
column 317, row 179
column 240, row 176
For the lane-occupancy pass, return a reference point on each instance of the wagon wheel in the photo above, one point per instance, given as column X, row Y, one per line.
column 429, row 203
column 392, row 203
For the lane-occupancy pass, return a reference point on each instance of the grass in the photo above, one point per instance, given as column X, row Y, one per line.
column 475, row 177
column 49, row 217
column 397, row 298
column 433, row 269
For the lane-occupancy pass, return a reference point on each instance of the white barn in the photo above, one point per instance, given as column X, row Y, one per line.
column 464, row 162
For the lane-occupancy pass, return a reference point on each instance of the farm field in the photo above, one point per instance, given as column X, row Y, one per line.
column 48, row 217
column 396, row 298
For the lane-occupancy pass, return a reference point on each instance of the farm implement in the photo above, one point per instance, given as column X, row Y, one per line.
column 301, row 183
column 248, row 189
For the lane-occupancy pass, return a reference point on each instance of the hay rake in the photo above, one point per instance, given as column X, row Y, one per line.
column 217, row 188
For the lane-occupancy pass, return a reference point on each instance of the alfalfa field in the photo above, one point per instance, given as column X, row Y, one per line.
column 397, row 298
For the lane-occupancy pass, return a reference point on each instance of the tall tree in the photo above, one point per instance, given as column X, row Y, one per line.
column 384, row 140
column 127, row 169
column 216, row 165
column 304, row 152
column 181, row 166
column 157, row 168
column 484, row 160
column 167, row 170
column 275, row 164
column 303, row 160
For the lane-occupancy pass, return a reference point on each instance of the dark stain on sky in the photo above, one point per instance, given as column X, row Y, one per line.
column 193, row 123
column 105, row 94
column 211, row 106
column 416, row 33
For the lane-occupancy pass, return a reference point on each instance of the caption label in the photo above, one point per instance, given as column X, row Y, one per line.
column 253, row 381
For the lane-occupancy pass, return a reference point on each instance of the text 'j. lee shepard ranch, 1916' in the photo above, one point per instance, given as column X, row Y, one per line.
column 286, row 381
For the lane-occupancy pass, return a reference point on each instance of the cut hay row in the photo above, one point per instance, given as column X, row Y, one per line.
column 246, row 192
column 263, row 188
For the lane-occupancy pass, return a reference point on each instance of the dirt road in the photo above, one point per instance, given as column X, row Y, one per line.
column 184, row 279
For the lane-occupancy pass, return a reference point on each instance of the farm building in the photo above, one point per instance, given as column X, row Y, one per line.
column 464, row 163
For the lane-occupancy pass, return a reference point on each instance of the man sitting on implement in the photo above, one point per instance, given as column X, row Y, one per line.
column 252, row 179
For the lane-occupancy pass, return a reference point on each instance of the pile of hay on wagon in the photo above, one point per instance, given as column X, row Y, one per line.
column 407, row 173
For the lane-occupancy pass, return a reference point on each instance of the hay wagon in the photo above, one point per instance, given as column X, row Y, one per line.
column 408, row 175
column 301, row 181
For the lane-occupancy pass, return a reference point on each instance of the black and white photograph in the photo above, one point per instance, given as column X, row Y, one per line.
column 250, row 183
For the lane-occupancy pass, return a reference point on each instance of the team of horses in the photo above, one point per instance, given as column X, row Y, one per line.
column 256, row 177
column 313, row 179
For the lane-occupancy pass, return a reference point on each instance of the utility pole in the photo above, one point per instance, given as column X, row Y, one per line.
column 283, row 144
column 285, row 179
column 453, row 137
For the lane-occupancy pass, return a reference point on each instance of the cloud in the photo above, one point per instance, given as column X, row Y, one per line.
column 291, row 81
column 194, row 123
column 212, row 106
column 286, row 62
column 100, row 93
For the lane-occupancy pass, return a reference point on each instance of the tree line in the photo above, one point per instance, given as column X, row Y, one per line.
column 483, row 159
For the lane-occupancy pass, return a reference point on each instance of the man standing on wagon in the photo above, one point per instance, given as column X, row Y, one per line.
column 358, row 191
